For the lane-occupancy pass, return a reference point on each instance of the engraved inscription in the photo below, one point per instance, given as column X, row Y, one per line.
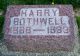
column 39, row 21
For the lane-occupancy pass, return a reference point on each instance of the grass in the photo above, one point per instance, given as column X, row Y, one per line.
column 1, row 26
column 78, row 23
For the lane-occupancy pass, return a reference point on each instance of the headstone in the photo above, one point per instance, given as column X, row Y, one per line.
column 39, row 28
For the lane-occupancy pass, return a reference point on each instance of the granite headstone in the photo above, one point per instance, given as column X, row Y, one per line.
column 39, row 28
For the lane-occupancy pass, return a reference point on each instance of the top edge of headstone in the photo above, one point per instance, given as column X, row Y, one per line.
column 41, row 5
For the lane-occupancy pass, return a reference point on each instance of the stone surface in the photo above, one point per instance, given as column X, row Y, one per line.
column 54, row 24
column 5, row 52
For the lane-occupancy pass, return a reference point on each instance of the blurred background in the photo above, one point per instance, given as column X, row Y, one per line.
column 5, row 3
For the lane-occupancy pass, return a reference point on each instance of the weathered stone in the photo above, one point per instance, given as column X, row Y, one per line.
column 39, row 28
